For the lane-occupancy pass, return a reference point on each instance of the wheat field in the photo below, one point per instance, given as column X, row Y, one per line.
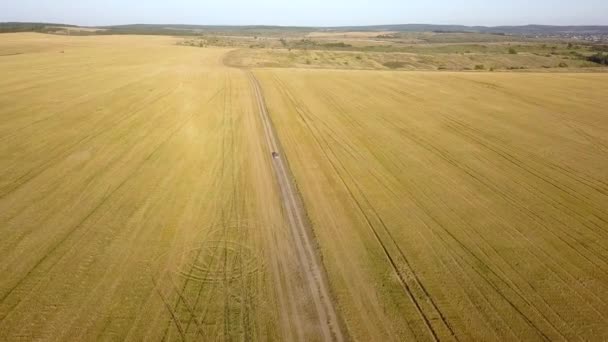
column 454, row 206
column 140, row 200
column 137, row 198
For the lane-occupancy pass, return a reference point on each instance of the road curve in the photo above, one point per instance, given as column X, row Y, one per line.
column 304, row 242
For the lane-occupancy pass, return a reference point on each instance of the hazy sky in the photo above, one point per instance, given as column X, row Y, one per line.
column 308, row 12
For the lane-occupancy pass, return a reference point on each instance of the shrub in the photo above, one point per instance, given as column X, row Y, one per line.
column 601, row 48
column 512, row 51
column 576, row 53
column 394, row 65
column 337, row 45
column 598, row 58
column 480, row 67
column 563, row 65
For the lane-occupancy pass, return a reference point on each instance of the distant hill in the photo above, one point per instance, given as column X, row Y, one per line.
column 527, row 29
column 544, row 29
column 181, row 29
column 178, row 29
column 28, row 27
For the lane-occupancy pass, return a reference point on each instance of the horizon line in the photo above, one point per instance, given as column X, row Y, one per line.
column 299, row 26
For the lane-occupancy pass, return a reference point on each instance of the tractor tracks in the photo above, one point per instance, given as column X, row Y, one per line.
column 434, row 324
column 312, row 269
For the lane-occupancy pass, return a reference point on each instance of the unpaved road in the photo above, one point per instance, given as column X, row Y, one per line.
column 294, row 210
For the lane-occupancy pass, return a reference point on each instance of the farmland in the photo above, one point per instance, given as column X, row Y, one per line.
column 454, row 205
column 137, row 198
column 140, row 198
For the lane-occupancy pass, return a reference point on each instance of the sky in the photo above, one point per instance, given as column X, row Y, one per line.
column 307, row 12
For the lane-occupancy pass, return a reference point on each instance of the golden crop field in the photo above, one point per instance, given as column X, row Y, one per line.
column 140, row 199
column 137, row 198
column 454, row 206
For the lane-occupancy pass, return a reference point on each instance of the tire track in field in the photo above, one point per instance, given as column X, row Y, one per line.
column 197, row 295
column 506, row 282
column 594, row 141
column 340, row 143
column 230, row 220
column 74, row 105
column 181, row 292
column 130, row 176
column 410, row 282
column 369, row 204
column 111, row 163
column 55, row 247
column 418, row 289
column 304, row 248
column 501, row 279
column 228, row 176
column 66, row 150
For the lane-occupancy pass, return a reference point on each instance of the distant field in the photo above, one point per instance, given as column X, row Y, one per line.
column 74, row 30
column 408, row 51
column 411, row 61
column 453, row 205
column 140, row 198
column 331, row 34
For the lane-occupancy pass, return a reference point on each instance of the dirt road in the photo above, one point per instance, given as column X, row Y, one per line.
column 294, row 211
